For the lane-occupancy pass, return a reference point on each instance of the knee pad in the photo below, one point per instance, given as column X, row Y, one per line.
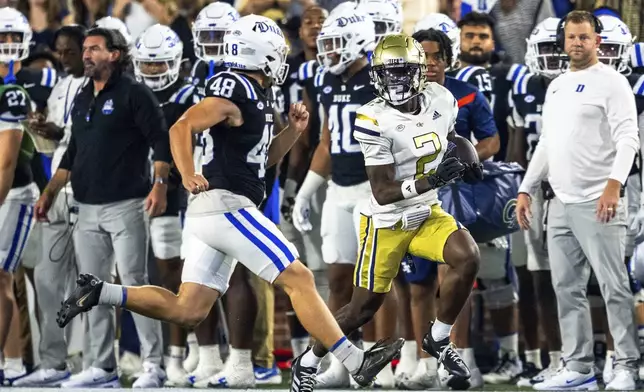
column 497, row 293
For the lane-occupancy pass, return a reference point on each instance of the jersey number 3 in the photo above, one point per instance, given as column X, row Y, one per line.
column 431, row 143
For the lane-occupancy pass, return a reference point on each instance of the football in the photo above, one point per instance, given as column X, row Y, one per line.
column 465, row 150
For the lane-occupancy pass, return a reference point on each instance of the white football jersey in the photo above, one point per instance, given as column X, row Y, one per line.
column 414, row 143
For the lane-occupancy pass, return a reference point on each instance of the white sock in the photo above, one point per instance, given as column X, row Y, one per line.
column 112, row 294
column 350, row 356
column 408, row 353
column 440, row 330
column 610, row 355
column 309, row 359
column 209, row 355
column 510, row 344
column 177, row 354
column 468, row 357
column 240, row 357
column 191, row 340
column 299, row 345
column 366, row 346
column 534, row 357
column 555, row 359
column 431, row 363
column 13, row 363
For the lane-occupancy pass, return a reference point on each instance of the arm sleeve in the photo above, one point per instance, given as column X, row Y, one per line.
column 150, row 119
column 375, row 147
column 622, row 119
column 482, row 121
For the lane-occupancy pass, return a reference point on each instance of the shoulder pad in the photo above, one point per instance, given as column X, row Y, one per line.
column 232, row 86
column 319, row 77
column 14, row 103
column 638, row 85
column 515, row 72
column 520, row 85
column 49, row 77
column 183, row 95
column 464, row 74
column 307, row 70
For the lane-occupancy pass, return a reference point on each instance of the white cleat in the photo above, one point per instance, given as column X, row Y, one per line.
column 43, row 378
column 543, row 375
column 404, row 371
column 458, row 383
column 422, row 378
column 508, row 369
column 623, row 380
column 233, row 376
column 566, row 379
column 93, row 378
column 385, row 379
column 199, row 378
column 152, row 377
column 609, row 367
column 267, row 376
column 177, row 377
column 130, row 365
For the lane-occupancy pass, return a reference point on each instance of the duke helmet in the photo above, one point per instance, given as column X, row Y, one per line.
column 209, row 29
column 542, row 55
column 256, row 43
column 117, row 24
column 386, row 15
column 157, row 57
column 347, row 34
column 398, row 68
column 14, row 23
column 443, row 23
column 616, row 44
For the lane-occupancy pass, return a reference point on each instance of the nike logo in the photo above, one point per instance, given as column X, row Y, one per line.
column 29, row 85
column 554, row 91
column 356, row 88
column 82, row 299
column 570, row 381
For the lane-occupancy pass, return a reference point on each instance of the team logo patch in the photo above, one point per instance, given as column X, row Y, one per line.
column 260, row 106
column 400, row 127
column 108, row 107
column 529, row 98
column 510, row 213
column 327, row 89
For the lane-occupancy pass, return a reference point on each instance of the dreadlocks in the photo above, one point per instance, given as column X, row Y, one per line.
column 443, row 41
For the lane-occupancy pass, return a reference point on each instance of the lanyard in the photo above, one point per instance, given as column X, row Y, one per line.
column 68, row 112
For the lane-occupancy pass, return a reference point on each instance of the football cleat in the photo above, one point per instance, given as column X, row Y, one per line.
column 375, row 359
column 84, row 298
column 446, row 354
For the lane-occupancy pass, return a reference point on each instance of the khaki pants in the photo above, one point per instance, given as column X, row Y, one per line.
column 263, row 343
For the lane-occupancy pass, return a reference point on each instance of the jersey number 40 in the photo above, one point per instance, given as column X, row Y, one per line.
column 341, row 118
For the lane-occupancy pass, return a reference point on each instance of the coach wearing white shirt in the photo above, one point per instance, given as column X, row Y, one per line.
column 587, row 146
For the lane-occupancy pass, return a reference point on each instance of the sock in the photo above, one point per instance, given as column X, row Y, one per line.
column 13, row 363
column 468, row 357
column 534, row 357
column 610, row 355
column 240, row 357
column 408, row 355
column 440, row 330
column 309, row 359
column 112, row 294
column 350, row 356
column 209, row 356
column 555, row 359
column 431, row 363
column 366, row 346
column 299, row 345
column 509, row 344
column 176, row 356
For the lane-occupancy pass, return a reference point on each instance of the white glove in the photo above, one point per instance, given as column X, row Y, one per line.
column 302, row 206
column 638, row 225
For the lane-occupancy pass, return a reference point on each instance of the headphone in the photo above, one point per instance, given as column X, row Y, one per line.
column 561, row 35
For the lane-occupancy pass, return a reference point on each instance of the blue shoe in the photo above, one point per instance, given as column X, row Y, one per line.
column 267, row 376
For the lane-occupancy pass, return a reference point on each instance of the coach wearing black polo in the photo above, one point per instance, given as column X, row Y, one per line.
column 115, row 122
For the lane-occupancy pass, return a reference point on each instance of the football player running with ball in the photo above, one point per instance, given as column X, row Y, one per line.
column 404, row 135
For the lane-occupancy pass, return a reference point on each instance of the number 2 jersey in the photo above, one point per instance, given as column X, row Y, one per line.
column 413, row 143
column 235, row 157
column 340, row 100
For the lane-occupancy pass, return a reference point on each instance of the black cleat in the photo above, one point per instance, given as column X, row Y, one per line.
column 302, row 378
column 84, row 298
column 446, row 354
column 375, row 359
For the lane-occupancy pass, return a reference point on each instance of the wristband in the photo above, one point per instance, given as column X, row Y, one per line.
column 408, row 189
column 310, row 185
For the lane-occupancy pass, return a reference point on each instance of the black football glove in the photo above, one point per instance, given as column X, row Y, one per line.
column 473, row 173
column 448, row 170
column 287, row 209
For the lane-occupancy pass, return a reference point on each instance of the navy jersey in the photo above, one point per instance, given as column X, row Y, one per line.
column 637, row 82
column 478, row 77
column 201, row 72
column 528, row 95
column 292, row 88
column 14, row 108
column 175, row 100
column 474, row 113
column 235, row 157
column 340, row 101
column 504, row 76
column 307, row 74
column 38, row 83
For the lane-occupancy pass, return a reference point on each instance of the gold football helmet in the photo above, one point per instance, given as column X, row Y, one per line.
column 398, row 68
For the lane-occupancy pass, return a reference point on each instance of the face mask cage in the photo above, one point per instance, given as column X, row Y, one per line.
column 15, row 50
column 613, row 54
column 157, row 74
column 333, row 53
column 398, row 83
column 544, row 58
column 209, row 44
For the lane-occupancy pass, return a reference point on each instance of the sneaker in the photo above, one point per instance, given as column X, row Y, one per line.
column 623, row 380
column 375, row 359
column 82, row 299
column 233, row 376
column 302, row 378
column 13, row 374
column 456, row 383
column 267, row 376
column 422, row 378
column 446, row 353
column 93, row 378
column 202, row 374
column 153, row 377
column 529, row 371
column 177, row 376
column 566, row 379
column 539, row 377
column 43, row 378
column 508, row 368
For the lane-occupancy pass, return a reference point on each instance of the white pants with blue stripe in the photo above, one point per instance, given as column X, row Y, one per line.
column 213, row 243
column 16, row 222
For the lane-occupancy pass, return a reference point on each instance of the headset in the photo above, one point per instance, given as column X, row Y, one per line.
column 561, row 34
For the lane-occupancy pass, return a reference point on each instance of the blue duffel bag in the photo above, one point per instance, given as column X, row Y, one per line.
column 486, row 208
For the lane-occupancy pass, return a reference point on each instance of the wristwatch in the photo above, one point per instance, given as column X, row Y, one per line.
column 160, row 180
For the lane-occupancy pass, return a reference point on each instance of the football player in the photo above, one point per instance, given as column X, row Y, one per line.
column 342, row 87
column 405, row 166
column 157, row 60
column 387, row 16
column 545, row 63
column 222, row 221
column 112, row 23
column 18, row 193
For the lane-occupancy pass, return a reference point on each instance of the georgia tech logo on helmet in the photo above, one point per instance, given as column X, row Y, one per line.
column 263, row 27
column 344, row 21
